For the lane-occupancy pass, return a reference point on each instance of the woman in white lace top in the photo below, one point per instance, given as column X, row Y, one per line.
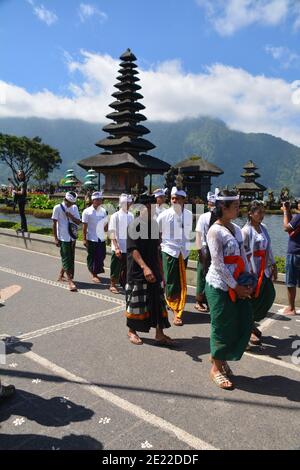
column 231, row 314
column 259, row 253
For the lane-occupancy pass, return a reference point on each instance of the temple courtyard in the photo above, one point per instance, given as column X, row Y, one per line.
column 82, row 385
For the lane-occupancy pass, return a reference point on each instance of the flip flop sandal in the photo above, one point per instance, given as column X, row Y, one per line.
column 257, row 332
column 220, row 380
column 255, row 342
column 114, row 290
column 134, row 339
column 201, row 309
column 96, row 281
column 73, row 288
column 178, row 322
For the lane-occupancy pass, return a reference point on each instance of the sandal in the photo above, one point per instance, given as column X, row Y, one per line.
column 134, row 339
column 226, row 370
column 256, row 332
column 72, row 288
column 201, row 309
column 254, row 342
column 96, row 280
column 114, row 290
column 221, row 380
column 177, row 321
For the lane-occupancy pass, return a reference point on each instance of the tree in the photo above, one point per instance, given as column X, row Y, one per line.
column 32, row 156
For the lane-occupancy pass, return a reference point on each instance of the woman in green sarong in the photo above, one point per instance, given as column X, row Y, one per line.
column 259, row 253
column 230, row 309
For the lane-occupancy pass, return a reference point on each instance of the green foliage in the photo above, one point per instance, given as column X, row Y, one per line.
column 30, row 155
column 7, row 224
column 42, row 202
column 280, row 262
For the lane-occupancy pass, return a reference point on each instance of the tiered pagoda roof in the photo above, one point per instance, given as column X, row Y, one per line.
column 125, row 146
column 250, row 175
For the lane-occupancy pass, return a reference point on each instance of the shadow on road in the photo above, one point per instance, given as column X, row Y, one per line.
column 270, row 385
column 53, row 412
column 38, row 442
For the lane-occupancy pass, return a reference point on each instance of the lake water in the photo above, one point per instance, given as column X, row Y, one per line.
column 30, row 220
column 273, row 222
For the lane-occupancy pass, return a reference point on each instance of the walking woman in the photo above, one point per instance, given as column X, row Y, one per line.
column 145, row 301
column 20, row 195
column 230, row 308
column 257, row 244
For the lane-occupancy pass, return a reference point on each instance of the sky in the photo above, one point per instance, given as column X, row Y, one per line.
column 236, row 60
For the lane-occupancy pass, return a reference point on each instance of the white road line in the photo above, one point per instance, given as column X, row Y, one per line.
column 89, row 293
column 135, row 410
column 106, row 269
column 272, row 360
column 65, row 325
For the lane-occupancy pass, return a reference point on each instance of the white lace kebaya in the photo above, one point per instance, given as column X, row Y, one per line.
column 222, row 243
column 254, row 241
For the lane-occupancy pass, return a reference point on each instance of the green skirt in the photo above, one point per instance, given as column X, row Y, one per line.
column 172, row 275
column 231, row 325
column 118, row 268
column 262, row 305
column 200, row 279
column 67, row 253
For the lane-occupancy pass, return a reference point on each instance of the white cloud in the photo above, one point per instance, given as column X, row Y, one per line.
column 87, row 11
column 229, row 16
column 284, row 56
column 245, row 102
column 47, row 16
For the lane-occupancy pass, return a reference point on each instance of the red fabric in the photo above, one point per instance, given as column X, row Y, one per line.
column 240, row 268
column 260, row 254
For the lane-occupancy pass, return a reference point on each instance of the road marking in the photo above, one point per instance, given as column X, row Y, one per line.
column 9, row 292
column 272, row 360
column 106, row 269
column 89, row 293
column 63, row 326
column 135, row 410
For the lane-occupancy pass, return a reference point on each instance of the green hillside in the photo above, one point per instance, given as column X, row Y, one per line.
column 278, row 161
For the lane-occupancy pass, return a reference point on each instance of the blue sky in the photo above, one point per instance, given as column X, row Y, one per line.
column 62, row 55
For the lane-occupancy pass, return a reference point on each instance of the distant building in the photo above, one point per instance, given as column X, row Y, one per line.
column 124, row 162
column 250, row 189
column 197, row 174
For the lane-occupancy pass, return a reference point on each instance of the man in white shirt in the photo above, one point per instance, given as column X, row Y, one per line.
column 63, row 214
column 176, row 226
column 118, row 225
column 160, row 196
column 202, row 228
column 95, row 221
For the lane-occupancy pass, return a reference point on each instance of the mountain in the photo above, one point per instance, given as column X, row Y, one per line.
column 278, row 160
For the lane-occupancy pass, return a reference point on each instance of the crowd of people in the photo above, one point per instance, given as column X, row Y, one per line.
column 150, row 248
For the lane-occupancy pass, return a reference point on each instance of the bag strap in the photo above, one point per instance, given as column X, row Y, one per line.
column 64, row 211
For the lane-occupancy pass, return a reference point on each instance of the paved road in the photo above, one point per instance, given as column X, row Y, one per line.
column 82, row 385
